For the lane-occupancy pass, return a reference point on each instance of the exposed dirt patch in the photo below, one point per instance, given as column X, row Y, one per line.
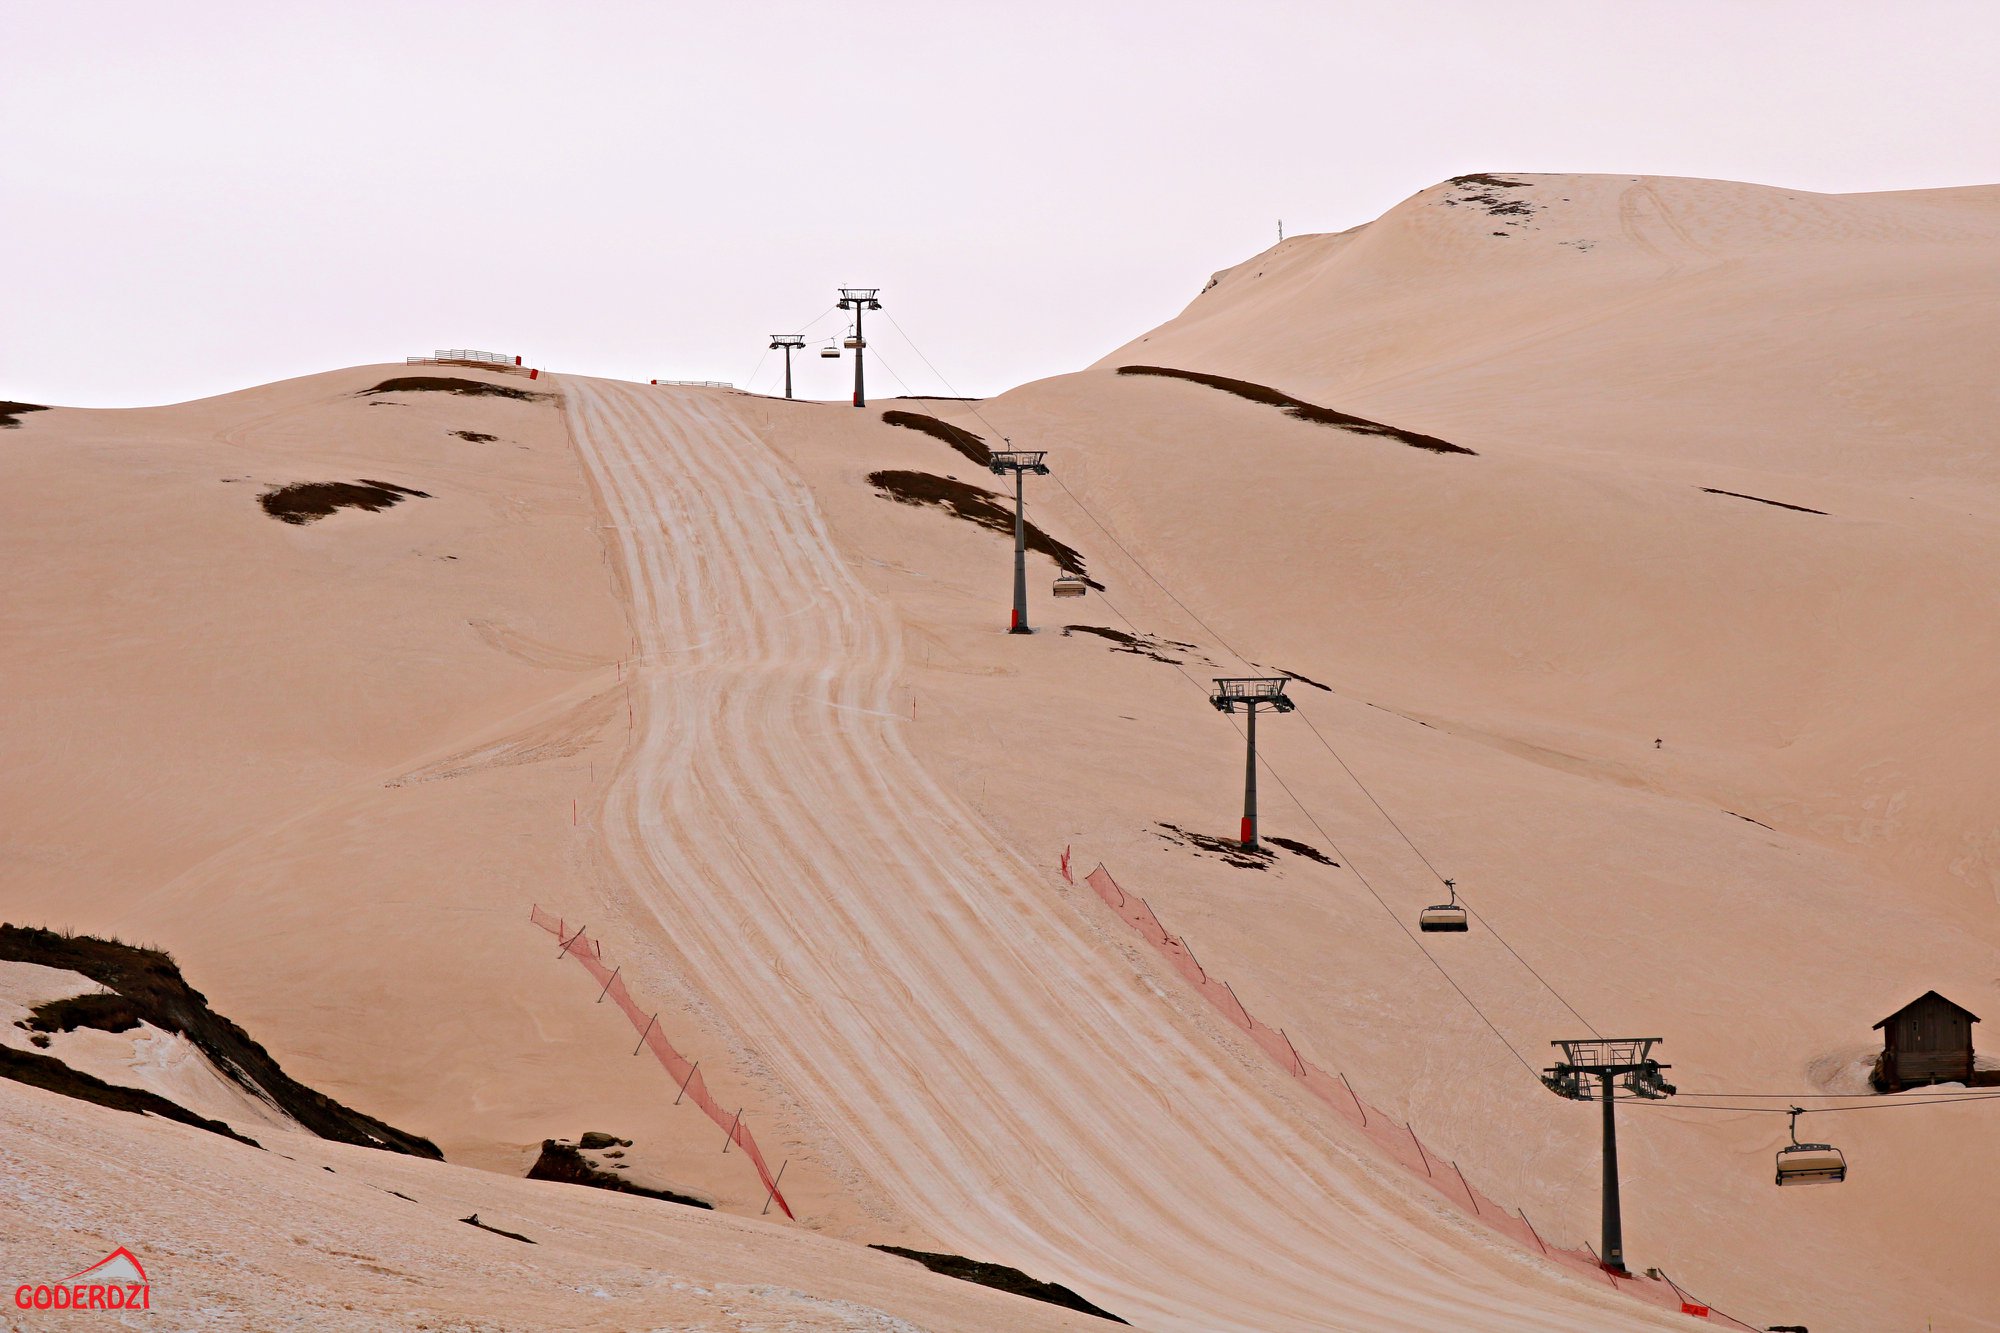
column 1305, row 849
column 1304, row 411
column 452, row 384
column 1490, row 182
column 1746, row 819
column 972, row 446
column 987, row 509
column 52, row 1075
column 1001, row 1278
column 1775, row 504
column 150, row 981
column 1304, row 680
column 10, row 413
column 1229, row 849
column 474, row 1221
column 1146, row 646
column 1486, row 193
column 106, row 1011
column 308, row 501
column 476, row 436
column 565, row 1162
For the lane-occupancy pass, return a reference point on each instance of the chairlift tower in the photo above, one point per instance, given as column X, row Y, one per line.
column 790, row 342
column 1609, row 1059
column 1019, row 461
column 859, row 299
column 1249, row 693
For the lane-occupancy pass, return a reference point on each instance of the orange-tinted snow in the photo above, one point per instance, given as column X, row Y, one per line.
column 1507, row 635
column 330, row 768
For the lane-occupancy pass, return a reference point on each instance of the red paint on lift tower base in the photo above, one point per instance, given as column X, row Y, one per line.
column 1248, row 833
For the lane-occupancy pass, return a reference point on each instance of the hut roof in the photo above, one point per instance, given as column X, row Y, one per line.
column 1927, row 995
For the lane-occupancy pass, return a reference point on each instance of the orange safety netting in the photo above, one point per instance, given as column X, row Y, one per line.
column 687, row 1077
column 1395, row 1138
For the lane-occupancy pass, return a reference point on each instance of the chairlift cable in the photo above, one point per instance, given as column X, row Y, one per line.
column 1822, row 1096
column 752, row 379
column 1410, row 842
column 1664, row 1104
column 1231, row 649
column 1136, row 562
column 908, row 392
column 1355, row 870
column 1140, row 565
column 1897, row 1105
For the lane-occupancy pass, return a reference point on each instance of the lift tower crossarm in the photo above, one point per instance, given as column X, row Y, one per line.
column 859, row 299
column 1019, row 462
column 790, row 342
column 1609, row 1059
column 1249, row 693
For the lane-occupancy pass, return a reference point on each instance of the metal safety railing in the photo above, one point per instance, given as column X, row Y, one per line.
column 464, row 354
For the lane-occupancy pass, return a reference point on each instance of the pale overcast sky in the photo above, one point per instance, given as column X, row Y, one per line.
column 196, row 197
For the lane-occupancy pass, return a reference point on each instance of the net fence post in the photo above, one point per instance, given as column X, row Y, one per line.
column 1476, row 1210
column 773, row 1191
column 1357, row 1100
column 732, row 1129
column 1298, row 1065
column 1241, row 1008
column 645, row 1032
column 693, row 1069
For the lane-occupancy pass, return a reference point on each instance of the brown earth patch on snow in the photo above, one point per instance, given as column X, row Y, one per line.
column 305, row 502
column 1304, row 411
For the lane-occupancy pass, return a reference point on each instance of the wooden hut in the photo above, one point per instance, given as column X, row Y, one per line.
column 1928, row 1040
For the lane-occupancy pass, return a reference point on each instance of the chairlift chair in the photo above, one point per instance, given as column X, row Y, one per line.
column 1809, row 1163
column 851, row 341
column 1443, row 916
column 1070, row 585
column 1647, row 1082
column 830, row 352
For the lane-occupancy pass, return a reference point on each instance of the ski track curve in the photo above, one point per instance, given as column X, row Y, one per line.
column 913, row 980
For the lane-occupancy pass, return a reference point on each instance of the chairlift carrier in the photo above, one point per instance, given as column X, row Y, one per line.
column 1809, row 1163
column 1443, row 916
column 1070, row 585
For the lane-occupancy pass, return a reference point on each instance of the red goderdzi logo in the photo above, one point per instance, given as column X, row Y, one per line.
column 115, row 1282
